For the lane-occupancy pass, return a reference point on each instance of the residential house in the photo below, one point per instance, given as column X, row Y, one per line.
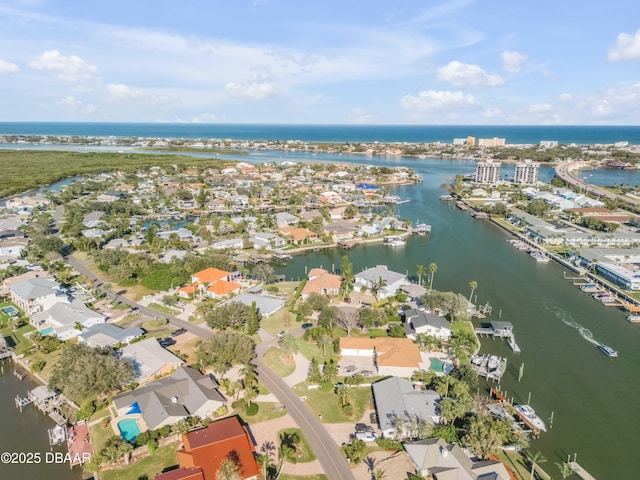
column 205, row 449
column 150, row 360
column 396, row 398
column 37, row 294
column 184, row 393
column 418, row 321
column 266, row 305
column 392, row 356
column 266, row 240
column 341, row 230
column 108, row 335
column 322, row 282
column 391, row 280
column 437, row 459
column 67, row 318
column 212, row 282
column 299, row 235
column 13, row 247
column 284, row 219
column 228, row 244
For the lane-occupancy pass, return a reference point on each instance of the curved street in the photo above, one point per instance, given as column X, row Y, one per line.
column 323, row 445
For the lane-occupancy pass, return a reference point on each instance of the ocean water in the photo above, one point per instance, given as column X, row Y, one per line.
column 582, row 135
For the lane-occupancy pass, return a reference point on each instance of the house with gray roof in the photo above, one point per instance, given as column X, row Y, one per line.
column 230, row 243
column 284, row 219
column 435, row 458
column 265, row 304
column 150, row 360
column 107, row 335
column 419, row 321
column 65, row 317
column 184, row 393
column 37, row 294
column 396, row 398
column 370, row 276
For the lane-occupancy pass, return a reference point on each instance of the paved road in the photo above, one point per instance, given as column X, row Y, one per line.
column 321, row 442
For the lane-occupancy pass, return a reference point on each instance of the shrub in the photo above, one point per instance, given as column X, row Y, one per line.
column 38, row 366
column 220, row 411
column 252, row 409
column 152, row 445
column 389, row 444
column 86, row 411
column 143, row 438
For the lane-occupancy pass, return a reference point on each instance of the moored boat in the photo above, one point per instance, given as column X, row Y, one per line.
column 633, row 318
column 394, row 241
column 531, row 417
column 539, row 257
column 608, row 351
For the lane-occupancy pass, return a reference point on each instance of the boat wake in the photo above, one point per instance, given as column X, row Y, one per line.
column 568, row 320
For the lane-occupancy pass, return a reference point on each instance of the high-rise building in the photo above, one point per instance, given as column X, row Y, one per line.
column 491, row 142
column 526, row 173
column 488, row 172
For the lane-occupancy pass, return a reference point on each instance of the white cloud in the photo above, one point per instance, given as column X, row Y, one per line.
column 361, row 116
column 7, row 67
column 204, row 118
column 627, row 47
column 251, row 91
column 493, row 113
column 513, row 61
column 69, row 69
column 540, row 108
column 465, row 75
column 434, row 100
column 75, row 105
column 119, row 92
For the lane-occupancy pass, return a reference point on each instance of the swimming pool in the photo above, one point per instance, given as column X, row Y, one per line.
column 10, row 310
column 129, row 429
column 46, row 331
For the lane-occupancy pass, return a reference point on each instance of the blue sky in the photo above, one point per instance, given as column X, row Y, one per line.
column 342, row 62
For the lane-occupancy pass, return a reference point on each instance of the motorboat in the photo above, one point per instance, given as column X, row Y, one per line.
column 539, row 257
column 633, row 318
column 394, row 241
column 531, row 417
column 608, row 351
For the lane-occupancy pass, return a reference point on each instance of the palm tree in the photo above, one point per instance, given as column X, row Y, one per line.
column 535, row 458
column 433, row 268
column 565, row 469
column 472, row 285
column 323, row 342
column 289, row 345
column 228, row 470
column 421, row 271
column 379, row 474
column 344, row 394
column 378, row 286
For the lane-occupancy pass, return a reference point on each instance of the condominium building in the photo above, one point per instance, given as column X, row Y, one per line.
column 526, row 173
column 488, row 172
column 491, row 142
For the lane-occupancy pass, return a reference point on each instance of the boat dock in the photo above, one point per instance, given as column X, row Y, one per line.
column 496, row 393
column 491, row 367
column 46, row 401
column 501, row 330
column 5, row 351
column 581, row 472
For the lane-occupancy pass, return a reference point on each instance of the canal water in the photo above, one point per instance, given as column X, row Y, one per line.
column 25, row 434
column 592, row 397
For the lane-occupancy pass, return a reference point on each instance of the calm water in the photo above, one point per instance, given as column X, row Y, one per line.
column 27, row 432
column 334, row 133
column 592, row 397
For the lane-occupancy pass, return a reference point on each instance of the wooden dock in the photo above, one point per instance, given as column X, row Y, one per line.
column 504, row 400
column 581, row 472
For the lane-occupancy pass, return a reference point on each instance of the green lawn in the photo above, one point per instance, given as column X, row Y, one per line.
column 304, row 451
column 310, row 350
column 16, row 339
column 266, row 411
column 326, row 403
column 283, row 319
column 99, row 436
column 147, row 467
column 278, row 362
column 318, row 476
column 163, row 309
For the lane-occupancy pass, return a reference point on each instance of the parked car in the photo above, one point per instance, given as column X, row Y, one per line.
column 180, row 331
column 366, row 436
column 282, row 333
column 167, row 342
column 306, row 325
column 363, row 427
column 181, row 303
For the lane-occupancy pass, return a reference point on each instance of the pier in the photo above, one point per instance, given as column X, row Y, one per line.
column 501, row 330
column 581, row 472
column 496, row 393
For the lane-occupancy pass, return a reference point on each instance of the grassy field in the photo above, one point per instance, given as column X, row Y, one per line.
column 326, row 403
column 147, row 467
column 16, row 339
column 99, row 436
column 278, row 362
column 46, row 167
column 266, row 411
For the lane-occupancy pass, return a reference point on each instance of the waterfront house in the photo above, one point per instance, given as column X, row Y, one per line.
column 228, row 244
column 205, row 449
column 284, row 219
column 184, row 393
column 393, row 280
column 67, row 319
column 299, row 235
column 150, row 360
column 435, row 458
column 13, row 247
column 266, row 240
column 266, row 305
column 420, row 322
column 37, row 294
column 396, row 398
column 321, row 282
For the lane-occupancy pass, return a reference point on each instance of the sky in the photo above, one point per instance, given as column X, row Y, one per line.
column 562, row 62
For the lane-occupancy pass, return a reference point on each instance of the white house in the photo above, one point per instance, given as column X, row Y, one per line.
column 391, row 280
column 66, row 317
column 37, row 294
column 417, row 322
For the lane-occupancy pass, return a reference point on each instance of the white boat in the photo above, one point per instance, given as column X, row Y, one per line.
column 394, row 241
column 531, row 417
column 493, row 362
column 608, row 351
column 539, row 257
column 633, row 318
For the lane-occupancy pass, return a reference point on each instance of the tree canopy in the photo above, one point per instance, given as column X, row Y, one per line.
column 224, row 349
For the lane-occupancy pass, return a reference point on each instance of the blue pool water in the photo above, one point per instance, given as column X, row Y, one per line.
column 9, row 310
column 46, row 331
column 129, row 429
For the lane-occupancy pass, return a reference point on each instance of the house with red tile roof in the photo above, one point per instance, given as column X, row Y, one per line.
column 205, row 449
column 393, row 356
column 212, row 282
column 322, row 282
